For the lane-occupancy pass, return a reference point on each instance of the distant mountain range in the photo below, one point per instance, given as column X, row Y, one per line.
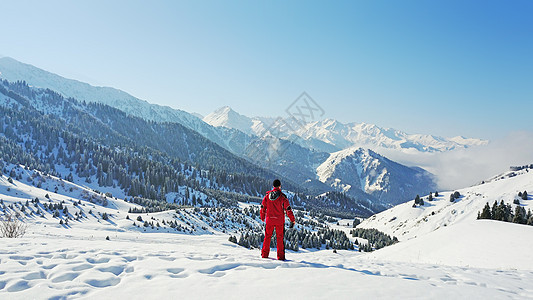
column 331, row 134
column 321, row 156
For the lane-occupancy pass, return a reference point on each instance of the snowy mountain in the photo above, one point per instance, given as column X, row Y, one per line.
column 372, row 136
column 338, row 136
column 351, row 170
column 362, row 169
column 227, row 117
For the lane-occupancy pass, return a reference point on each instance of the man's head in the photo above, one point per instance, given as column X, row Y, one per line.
column 276, row 183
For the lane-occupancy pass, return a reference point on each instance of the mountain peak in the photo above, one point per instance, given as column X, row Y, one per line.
column 225, row 116
column 224, row 109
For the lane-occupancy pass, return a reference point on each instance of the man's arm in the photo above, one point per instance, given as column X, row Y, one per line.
column 288, row 209
column 262, row 212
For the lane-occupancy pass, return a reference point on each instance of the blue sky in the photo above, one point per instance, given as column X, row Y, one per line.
column 439, row 67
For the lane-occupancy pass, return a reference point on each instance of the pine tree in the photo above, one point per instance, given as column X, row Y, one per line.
column 500, row 212
column 486, row 214
column 519, row 215
column 508, row 213
column 494, row 210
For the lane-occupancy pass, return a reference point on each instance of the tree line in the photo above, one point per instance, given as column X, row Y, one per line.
column 504, row 212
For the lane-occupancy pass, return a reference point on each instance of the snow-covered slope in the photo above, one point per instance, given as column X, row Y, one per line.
column 13, row 70
column 91, row 257
column 445, row 232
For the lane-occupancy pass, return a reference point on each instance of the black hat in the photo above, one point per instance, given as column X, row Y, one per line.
column 276, row 183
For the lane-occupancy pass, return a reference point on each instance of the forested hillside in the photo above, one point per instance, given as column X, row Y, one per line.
column 62, row 136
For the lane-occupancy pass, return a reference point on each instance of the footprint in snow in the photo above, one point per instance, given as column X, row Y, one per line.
column 102, row 283
column 219, row 268
column 167, row 258
column 65, row 277
column 129, row 258
column 175, row 270
column 116, row 270
column 35, row 276
column 20, row 257
column 82, row 267
column 18, row 286
column 102, row 260
column 49, row 267
column 176, row 273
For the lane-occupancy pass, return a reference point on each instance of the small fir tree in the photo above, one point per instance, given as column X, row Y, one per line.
column 486, row 214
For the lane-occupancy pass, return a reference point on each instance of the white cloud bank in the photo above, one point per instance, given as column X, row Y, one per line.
column 465, row 167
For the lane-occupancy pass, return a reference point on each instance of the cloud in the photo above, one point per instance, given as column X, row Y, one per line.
column 465, row 167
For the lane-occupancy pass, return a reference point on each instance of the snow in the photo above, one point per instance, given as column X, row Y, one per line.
column 466, row 258
column 356, row 169
column 149, row 266
column 340, row 135
column 226, row 117
column 448, row 233
column 406, row 222
column 479, row 244
column 154, row 265
column 328, row 167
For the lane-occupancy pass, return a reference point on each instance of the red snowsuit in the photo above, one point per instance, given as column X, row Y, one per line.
column 273, row 209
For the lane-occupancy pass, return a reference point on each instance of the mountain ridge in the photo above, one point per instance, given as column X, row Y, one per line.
column 13, row 70
column 343, row 135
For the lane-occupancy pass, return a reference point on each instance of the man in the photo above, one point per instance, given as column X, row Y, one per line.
column 273, row 209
